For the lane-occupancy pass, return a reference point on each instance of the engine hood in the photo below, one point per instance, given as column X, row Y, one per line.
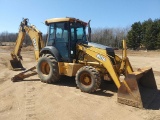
column 107, row 48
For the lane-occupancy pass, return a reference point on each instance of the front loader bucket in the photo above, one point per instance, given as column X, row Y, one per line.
column 15, row 65
column 138, row 89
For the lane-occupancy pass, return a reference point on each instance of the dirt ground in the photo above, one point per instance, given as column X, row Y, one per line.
column 33, row 100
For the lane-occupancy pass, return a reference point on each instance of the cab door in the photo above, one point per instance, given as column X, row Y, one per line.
column 58, row 37
column 61, row 40
column 78, row 35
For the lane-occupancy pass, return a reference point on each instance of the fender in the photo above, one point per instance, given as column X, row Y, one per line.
column 52, row 50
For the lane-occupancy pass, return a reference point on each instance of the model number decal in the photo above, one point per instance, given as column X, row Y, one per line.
column 101, row 57
column 35, row 44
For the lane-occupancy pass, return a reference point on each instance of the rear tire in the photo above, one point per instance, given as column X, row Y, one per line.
column 88, row 79
column 47, row 69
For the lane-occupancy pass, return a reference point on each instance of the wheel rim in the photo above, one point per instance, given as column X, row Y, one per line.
column 45, row 68
column 85, row 79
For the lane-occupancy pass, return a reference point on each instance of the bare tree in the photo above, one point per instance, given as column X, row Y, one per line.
column 109, row 36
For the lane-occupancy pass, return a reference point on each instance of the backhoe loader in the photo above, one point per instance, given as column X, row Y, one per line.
column 68, row 52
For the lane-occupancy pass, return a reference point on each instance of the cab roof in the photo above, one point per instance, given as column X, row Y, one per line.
column 67, row 19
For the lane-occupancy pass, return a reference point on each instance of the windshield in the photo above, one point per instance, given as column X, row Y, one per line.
column 58, row 32
column 77, row 31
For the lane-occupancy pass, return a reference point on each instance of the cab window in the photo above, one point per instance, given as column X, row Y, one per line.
column 51, row 35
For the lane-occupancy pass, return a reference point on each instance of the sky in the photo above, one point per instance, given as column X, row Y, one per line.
column 102, row 13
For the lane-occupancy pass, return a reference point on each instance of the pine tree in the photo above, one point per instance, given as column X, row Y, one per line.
column 134, row 36
column 157, row 22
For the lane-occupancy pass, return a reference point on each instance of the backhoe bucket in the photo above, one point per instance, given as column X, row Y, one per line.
column 138, row 89
column 15, row 65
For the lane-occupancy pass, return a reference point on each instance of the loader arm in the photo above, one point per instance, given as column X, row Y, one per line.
column 101, row 56
column 36, row 38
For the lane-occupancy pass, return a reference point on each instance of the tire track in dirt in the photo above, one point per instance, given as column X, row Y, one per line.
column 30, row 101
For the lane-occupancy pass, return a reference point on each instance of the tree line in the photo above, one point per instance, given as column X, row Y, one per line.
column 12, row 37
column 140, row 35
column 110, row 36
column 8, row 37
column 144, row 35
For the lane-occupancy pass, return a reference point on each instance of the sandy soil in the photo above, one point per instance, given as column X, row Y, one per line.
column 34, row 100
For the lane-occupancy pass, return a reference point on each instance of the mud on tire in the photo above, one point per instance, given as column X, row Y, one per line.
column 47, row 69
column 88, row 79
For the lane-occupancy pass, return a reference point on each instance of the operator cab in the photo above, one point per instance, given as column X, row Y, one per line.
column 64, row 34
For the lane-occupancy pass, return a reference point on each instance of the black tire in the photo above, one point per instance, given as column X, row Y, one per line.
column 47, row 69
column 88, row 79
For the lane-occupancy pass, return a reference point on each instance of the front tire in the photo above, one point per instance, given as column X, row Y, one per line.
column 88, row 79
column 47, row 69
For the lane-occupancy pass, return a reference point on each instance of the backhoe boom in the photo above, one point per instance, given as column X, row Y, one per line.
column 36, row 38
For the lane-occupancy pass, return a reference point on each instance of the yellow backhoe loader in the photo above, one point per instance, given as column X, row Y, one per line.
column 68, row 52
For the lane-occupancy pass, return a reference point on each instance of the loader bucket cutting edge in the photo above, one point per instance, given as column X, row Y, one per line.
column 15, row 65
column 138, row 89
